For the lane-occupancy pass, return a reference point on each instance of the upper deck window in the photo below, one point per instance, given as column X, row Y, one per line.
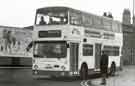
column 75, row 18
column 51, row 16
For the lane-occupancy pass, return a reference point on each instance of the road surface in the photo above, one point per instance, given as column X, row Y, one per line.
column 23, row 77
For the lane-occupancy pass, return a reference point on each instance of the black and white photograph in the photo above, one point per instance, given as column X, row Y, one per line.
column 67, row 43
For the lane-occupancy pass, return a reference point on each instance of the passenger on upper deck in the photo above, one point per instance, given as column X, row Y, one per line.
column 50, row 20
column 42, row 21
column 62, row 20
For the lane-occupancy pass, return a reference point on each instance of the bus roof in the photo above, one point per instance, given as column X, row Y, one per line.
column 47, row 9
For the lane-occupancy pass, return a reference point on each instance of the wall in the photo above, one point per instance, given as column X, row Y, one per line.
column 13, row 46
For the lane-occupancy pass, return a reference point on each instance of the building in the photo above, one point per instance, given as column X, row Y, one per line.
column 126, row 20
column 128, row 39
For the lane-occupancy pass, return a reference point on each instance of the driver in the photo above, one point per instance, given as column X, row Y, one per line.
column 42, row 21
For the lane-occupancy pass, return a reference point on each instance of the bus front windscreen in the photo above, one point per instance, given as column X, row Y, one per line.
column 50, row 50
column 51, row 18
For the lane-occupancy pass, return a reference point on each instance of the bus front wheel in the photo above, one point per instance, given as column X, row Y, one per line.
column 84, row 71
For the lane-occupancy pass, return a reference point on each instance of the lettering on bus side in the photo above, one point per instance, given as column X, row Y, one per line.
column 108, row 36
column 95, row 34
column 75, row 31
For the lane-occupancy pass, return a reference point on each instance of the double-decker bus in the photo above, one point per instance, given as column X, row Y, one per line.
column 69, row 42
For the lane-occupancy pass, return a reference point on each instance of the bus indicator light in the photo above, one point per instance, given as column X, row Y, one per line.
column 63, row 67
column 35, row 66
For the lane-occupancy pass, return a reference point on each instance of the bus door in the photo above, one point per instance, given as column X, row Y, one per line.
column 74, row 48
column 97, row 55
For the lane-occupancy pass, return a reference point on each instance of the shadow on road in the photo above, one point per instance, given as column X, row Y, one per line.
column 59, row 79
column 68, row 79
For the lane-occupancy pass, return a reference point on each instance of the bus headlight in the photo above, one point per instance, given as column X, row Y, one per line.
column 35, row 67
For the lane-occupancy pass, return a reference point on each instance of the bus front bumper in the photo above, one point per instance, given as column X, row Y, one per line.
column 42, row 73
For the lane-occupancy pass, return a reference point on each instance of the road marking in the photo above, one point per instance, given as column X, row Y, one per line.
column 86, row 82
column 82, row 83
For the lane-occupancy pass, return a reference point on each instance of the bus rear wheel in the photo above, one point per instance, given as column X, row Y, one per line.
column 84, row 71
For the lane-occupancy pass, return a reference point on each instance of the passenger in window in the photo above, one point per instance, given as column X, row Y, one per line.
column 62, row 20
column 104, row 67
column 50, row 20
column 42, row 21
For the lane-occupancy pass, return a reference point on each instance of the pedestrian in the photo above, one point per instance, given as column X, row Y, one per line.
column 104, row 67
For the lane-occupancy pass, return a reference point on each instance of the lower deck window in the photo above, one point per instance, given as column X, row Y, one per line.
column 87, row 50
column 112, row 50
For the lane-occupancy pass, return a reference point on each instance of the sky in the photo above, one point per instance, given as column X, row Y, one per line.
column 21, row 13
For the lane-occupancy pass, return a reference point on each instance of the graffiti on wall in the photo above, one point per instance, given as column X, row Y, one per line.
column 14, row 42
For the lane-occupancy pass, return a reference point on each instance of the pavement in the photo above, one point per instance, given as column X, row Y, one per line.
column 126, row 77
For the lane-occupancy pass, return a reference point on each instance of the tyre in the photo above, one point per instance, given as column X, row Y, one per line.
column 113, row 69
column 84, row 72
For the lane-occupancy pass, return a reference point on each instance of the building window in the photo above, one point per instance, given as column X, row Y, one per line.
column 87, row 50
